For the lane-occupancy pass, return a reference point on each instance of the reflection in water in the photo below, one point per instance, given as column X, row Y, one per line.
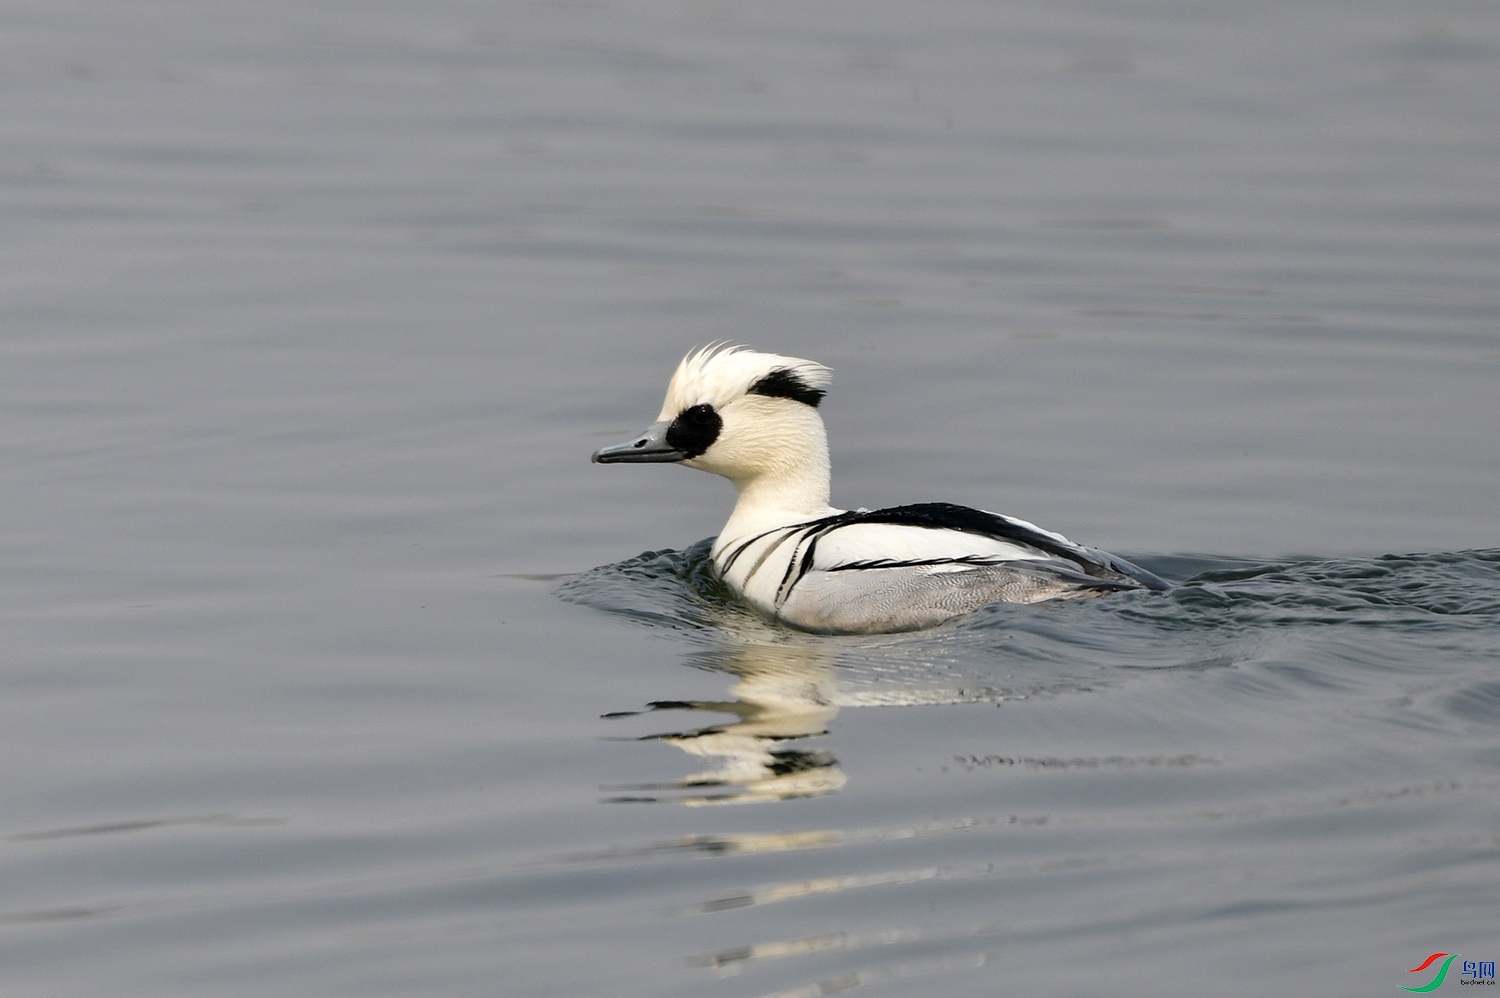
column 1102, row 818
column 784, row 693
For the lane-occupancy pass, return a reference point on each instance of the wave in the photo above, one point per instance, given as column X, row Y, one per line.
column 1222, row 610
column 679, row 590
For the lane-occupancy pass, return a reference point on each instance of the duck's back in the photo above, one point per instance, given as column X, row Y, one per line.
column 912, row 566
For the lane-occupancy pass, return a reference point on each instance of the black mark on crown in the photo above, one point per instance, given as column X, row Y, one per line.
column 694, row 430
column 783, row 383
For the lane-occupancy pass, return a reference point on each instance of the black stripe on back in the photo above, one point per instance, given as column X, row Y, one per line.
column 946, row 515
column 949, row 516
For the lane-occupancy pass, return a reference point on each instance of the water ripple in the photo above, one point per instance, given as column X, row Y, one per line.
column 680, row 590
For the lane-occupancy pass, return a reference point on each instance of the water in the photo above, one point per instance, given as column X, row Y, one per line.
column 332, row 667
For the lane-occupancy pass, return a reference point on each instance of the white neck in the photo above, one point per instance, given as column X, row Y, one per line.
column 798, row 494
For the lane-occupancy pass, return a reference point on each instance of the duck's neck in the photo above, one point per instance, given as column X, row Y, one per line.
column 798, row 496
column 794, row 488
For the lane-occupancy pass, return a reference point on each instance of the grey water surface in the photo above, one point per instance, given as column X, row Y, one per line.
column 330, row 666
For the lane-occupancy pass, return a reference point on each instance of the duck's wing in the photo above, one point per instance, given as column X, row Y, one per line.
column 930, row 559
column 934, row 529
column 911, row 566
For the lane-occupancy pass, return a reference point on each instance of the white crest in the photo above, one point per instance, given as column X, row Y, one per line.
column 718, row 374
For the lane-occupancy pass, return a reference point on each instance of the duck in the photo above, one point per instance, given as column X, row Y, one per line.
column 754, row 419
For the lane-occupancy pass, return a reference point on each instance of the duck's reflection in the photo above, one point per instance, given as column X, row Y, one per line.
column 784, row 694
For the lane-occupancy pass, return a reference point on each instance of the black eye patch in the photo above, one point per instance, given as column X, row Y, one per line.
column 694, row 430
column 784, row 384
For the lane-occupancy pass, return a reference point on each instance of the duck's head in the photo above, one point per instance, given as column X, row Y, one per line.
column 745, row 415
